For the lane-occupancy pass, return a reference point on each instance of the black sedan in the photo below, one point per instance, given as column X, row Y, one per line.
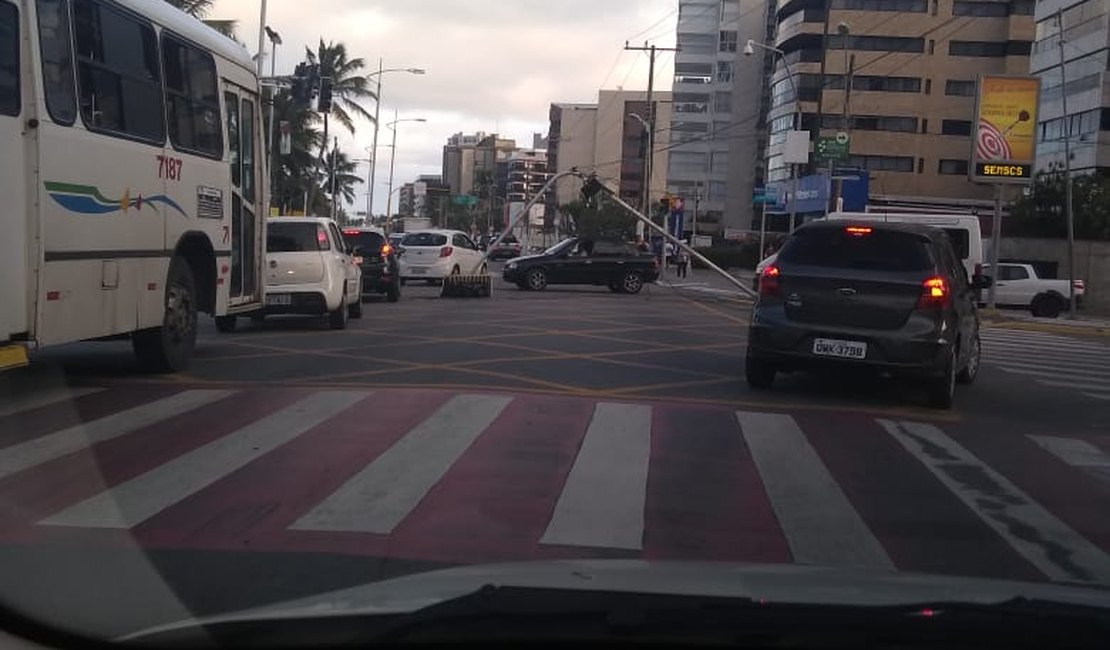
column 892, row 298
column 378, row 260
column 580, row 260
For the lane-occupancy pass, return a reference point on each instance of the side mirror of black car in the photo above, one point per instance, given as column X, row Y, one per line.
column 981, row 282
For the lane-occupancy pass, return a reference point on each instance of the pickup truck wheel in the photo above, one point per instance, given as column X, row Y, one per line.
column 169, row 347
column 1047, row 306
column 632, row 282
column 226, row 324
column 971, row 370
column 355, row 309
column 338, row 318
column 536, row 280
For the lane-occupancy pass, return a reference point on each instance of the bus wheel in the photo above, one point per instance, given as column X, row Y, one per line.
column 170, row 347
column 226, row 324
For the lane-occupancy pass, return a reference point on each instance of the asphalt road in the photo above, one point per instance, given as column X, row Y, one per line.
column 292, row 459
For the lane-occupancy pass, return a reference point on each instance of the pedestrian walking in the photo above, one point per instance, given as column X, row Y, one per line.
column 681, row 262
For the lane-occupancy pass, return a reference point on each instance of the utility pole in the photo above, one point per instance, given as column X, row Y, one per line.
column 1069, row 206
column 649, row 153
column 334, row 200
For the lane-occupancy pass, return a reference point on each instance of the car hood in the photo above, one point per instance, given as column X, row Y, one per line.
column 777, row 584
column 530, row 258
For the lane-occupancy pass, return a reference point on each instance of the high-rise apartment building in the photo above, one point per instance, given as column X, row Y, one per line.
column 1086, row 37
column 608, row 139
column 909, row 106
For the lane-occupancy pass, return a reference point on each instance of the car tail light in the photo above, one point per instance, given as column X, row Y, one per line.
column 321, row 238
column 1078, row 284
column 769, row 281
column 935, row 294
column 858, row 231
column 351, row 231
column 446, row 251
column 386, row 250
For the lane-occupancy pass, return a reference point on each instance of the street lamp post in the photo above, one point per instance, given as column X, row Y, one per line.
column 275, row 40
column 377, row 112
column 749, row 49
column 392, row 157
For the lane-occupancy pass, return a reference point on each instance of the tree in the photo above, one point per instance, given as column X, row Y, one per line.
column 1042, row 212
column 340, row 170
column 347, row 86
column 296, row 173
column 199, row 9
column 606, row 219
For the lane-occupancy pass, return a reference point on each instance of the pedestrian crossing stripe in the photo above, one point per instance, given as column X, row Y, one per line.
column 603, row 497
column 1051, row 360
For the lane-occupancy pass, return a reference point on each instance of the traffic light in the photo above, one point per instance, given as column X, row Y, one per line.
column 324, row 105
column 300, row 91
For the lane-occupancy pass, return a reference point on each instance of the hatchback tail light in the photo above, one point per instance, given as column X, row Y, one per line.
column 935, row 294
column 322, row 238
column 386, row 250
column 769, row 282
column 446, row 251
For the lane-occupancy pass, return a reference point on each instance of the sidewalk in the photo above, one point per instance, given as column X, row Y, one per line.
column 1015, row 319
column 708, row 282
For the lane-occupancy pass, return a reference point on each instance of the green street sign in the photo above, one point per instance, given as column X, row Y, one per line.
column 465, row 199
column 832, row 148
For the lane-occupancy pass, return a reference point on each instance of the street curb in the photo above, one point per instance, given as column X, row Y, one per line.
column 1001, row 321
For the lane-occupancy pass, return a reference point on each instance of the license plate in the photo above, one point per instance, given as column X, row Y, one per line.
column 842, row 349
column 279, row 299
column 418, row 270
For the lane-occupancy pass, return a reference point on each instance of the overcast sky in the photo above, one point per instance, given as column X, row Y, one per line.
column 493, row 65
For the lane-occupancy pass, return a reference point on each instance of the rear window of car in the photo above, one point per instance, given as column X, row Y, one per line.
column 424, row 239
column 369, row 241
column 295, row 238
column 961, row 241
column 879, row 250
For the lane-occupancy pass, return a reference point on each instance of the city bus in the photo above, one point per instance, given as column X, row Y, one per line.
column 132, row 178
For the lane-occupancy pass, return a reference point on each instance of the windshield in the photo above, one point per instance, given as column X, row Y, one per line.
column 424, row 239
column 870, row 248
column 295, row 238
column 802, row 301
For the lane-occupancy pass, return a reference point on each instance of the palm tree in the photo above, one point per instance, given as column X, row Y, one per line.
column 341, row 170
column 199, row 9
column 295, row 173
column 346, row 84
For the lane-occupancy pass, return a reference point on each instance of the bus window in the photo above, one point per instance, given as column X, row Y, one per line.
column 232, row 102
column 120, row 86
column 9, row 59
column 57, row 61
column 192, row 101
column 247, row 148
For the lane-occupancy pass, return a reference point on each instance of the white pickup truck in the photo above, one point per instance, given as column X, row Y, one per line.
column 1017, row 285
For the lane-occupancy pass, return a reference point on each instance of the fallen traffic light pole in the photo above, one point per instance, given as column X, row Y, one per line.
column 480, row 284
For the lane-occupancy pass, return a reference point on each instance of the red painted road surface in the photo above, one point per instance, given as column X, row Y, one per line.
column 703, row 497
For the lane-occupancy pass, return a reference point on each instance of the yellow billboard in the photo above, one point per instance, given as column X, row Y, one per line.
column 1004, row 147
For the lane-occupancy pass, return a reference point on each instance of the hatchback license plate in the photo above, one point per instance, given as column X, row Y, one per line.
column 843, row 349
column 279, row 299
column 419, row 270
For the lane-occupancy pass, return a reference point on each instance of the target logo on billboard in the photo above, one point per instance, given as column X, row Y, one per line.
column 1004, row 147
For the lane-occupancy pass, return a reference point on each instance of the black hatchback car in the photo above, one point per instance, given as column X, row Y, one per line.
column 378, row 260
column 888, row 297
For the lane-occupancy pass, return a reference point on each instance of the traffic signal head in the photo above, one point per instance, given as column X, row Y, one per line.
column 300, row 91
column 324, row 105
